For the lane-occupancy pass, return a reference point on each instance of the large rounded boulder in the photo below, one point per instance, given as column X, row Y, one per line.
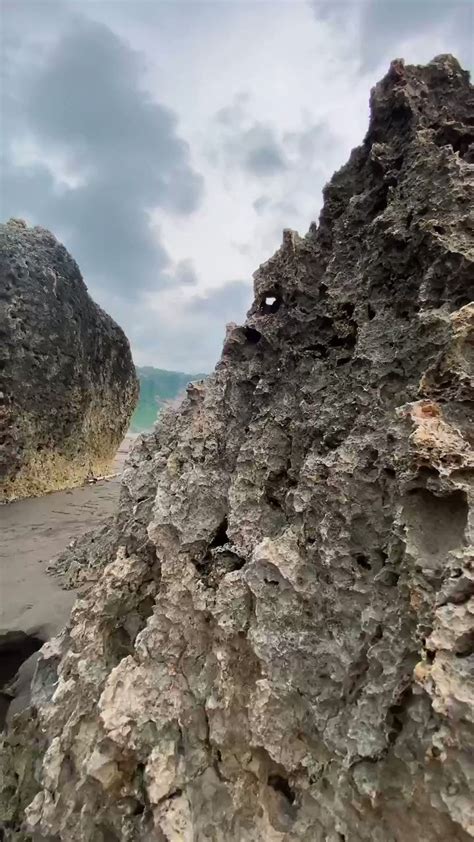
column 68, row 385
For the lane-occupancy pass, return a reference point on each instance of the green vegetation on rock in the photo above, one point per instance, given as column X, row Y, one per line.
column 157, row 388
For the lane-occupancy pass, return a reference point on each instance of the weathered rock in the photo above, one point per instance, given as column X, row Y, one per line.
column 67, row 381
column 280, row 645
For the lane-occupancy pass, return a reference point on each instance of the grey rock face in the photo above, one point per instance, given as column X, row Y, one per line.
column 67, row 381
column 280, row 645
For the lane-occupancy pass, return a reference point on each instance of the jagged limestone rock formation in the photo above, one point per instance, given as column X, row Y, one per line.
column 67, row 381
column 279, row 648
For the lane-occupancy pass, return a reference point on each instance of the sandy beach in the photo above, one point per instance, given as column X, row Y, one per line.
column 33, row 532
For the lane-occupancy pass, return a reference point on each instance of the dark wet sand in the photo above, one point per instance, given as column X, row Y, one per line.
column 34, row 531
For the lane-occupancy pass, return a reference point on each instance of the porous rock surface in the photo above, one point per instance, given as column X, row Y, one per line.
column 67, row 381
column 278, row 647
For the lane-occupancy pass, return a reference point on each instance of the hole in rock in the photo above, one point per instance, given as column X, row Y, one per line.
column 380, row 201
column 280, row 784
column 391, row 578
column 348, row 342
column 348, row 308
column 324, row 323
column 273, row 501
column 363, row 561
column 270, row 303
column 333, row 439
column 370, row 312
column 15, row 649
column 465, row 645
column 458, row 137
column 435, row 526
column 117, row 645
column 397, row 715
column 221, row 537
column 219, row 558
column 252, row 335
column 319, row 348
column 425, row 474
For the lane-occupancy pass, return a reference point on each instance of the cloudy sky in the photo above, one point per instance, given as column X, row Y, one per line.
column 168, row 143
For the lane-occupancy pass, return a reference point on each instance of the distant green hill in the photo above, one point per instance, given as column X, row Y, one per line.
column 157, row 388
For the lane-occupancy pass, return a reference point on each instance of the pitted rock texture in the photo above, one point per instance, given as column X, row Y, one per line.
column 67, row 381
column 279, row 648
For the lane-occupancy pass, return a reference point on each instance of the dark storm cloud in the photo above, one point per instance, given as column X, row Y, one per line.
column 232, row 115
column 384, row 22
column 263, row 157
column 225, row 303
column 84, row 104
column 379, row 26
column 255, row 149
column 261, row 203
column 310, row 154
column 312, row 142
column 25, row 191
column 258, row 151
column 261, row 150
column 185, row 273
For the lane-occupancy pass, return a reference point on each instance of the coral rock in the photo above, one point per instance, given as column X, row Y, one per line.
column 67, row 381
column 278, row 646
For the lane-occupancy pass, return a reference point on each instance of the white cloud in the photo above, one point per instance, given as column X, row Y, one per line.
column 240, row 78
